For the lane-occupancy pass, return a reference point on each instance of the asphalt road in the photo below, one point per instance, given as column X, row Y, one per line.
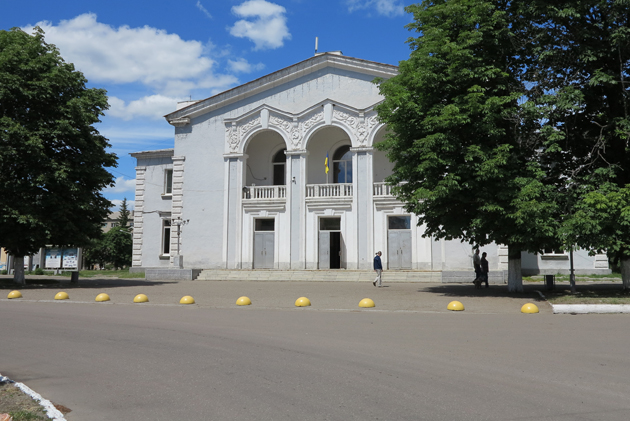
column 150, row 362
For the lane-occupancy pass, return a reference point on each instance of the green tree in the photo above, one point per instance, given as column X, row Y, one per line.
column 577, row 55
column 52, row 158
column 464, row 149
column 124, row 214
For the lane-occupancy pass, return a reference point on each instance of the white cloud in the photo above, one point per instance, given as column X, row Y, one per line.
column 131, row 205
column 123, row 185
column 268, row 27
column 204, row 10
column 129, row 55
column 383, row 7
column 243, row 66
column 153, row 106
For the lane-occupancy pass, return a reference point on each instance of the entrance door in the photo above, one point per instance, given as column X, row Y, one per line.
column 399, row 242
column 324, row 249
column 330, row 243
column 264, row 244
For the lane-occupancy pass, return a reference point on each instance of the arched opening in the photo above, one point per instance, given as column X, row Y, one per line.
column 279, row 164
column 262, row 159
column 342, row 165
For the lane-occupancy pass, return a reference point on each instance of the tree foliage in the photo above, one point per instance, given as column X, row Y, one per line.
column 52, row 158
column 464, row 157
column 510, row 123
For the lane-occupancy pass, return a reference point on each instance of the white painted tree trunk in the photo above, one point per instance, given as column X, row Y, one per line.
column 625, row 272
column 515, row 277
column 18, row 276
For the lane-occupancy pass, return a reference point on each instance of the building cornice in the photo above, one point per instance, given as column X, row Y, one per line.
column 313, row 64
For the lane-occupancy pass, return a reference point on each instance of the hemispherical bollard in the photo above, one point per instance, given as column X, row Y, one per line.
column 455, row 306
column 243, row 301
column 102, row 297
column 366, row 303
column 62, row 296
column 529, row 308
column 187, row 299
column 141, row 298
column 302, row 302
column 14, row 294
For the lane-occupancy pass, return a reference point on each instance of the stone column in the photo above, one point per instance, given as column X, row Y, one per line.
column 296, row 206
column 233, row 209
column 138, row 216
column 177, row 204
column 363, row 192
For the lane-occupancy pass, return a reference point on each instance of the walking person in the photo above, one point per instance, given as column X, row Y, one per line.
column 477, row 265
column 484, row 269
column 378, row 268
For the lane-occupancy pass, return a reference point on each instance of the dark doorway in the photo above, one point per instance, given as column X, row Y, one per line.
column 335, row 250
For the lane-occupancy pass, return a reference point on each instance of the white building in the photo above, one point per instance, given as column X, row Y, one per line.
column 247, row 174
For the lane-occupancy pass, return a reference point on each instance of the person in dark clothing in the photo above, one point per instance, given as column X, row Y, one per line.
column 378, row 268
column 477, row 265
column 484, row 269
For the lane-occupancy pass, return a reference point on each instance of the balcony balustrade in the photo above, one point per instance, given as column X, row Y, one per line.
column 382, row 189
column 264, row 192
column 328, row 190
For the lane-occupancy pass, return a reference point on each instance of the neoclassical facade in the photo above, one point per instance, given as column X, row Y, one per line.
column 282, row 173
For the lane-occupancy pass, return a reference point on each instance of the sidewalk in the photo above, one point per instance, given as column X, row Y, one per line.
column 324, row 296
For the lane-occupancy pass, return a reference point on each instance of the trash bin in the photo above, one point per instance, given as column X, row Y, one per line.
column 550, row 281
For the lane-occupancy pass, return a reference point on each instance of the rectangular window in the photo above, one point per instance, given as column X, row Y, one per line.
column 399, row 222
column 168, row 182
column 330, row 224
column 265, row 224
column 166, row 236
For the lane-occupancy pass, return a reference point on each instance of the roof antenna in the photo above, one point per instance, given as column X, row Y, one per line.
column 316, row 39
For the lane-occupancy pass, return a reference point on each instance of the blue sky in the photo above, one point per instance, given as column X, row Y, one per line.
column 150, row 54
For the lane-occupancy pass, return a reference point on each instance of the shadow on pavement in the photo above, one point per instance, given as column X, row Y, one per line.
column 465, row 290
column 34, row 282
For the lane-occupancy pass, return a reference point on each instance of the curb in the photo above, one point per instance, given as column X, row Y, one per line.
column 587, row 308
column 591, row 308
column 52, row 412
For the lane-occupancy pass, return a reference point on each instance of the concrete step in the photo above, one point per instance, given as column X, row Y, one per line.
column 318, row 275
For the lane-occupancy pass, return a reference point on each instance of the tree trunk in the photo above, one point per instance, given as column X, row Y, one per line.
column 515, row 277
column 18, row 264
column 624, row 263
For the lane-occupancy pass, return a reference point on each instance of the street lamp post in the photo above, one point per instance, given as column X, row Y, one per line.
column 178, row 260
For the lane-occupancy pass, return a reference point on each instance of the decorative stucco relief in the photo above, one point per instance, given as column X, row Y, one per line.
column 361, row 126
column 236, row 132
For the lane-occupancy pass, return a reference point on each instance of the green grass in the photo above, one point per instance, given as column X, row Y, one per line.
column 25, row 416
column 605, row 296
column 578, row 278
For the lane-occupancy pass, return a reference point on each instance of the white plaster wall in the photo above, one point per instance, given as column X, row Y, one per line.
column 383, row 167
column 154, row 203
column 203, row 142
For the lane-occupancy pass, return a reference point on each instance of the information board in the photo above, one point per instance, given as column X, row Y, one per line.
column 70, row 259
column 53, row 258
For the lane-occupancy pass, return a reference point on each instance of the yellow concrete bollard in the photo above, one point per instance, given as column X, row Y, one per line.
column 141, row 298
column 243, row 301
column 102, row 297
column 302, row 302
column 366, row 303
column 187, row 299
column 455, row 306
column 14, row 294
column 62, row 296
column 529, row 308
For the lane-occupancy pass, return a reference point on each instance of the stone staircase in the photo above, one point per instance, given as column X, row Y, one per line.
column 318, row 275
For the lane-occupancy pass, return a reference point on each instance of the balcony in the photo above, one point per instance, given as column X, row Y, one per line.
column 265, row 193
column 328, row 190
column 382, row 189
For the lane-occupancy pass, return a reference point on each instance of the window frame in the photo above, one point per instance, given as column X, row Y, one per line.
column 168, row 182
column 166, row 238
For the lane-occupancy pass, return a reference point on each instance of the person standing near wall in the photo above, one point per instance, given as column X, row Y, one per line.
column 477, row 264
column 378, row 268
column 484, row 269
